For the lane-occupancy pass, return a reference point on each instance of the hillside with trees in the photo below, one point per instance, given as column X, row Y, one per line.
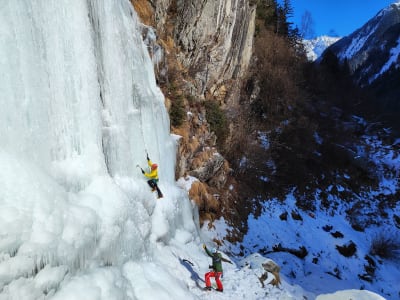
column 296, row 129
column 288, row 125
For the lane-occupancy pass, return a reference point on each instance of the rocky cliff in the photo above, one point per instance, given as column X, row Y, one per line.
column 215, row 40
column 207, row 48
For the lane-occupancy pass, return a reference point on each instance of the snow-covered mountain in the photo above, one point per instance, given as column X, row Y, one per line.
column 315, row 47
column 372, row 50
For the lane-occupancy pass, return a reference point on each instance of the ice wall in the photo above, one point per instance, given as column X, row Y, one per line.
column 79, row 109
column 78, row 84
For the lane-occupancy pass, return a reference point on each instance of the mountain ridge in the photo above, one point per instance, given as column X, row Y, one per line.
column 371, row 55
column 316, row 46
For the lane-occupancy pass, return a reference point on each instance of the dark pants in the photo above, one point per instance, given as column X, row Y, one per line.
column 153, row 184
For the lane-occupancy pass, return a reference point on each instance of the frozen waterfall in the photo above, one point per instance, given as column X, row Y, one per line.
column 79, row 109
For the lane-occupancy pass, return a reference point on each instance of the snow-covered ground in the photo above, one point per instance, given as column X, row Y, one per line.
column 324, row 269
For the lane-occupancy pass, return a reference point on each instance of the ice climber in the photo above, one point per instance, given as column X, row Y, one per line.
column 216, row 268
column 153, row 177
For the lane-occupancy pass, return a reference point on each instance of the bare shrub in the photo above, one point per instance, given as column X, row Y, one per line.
column 217, row 120
column 177, row 111
column 300, row 253
column 296, row 216
column 369, row 268
column 337, row 234
column 385, row 245
column 347, row 250
column 283, row 216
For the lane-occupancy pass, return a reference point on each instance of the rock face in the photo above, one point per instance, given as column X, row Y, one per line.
column 215, row 37
column 208, row 47
column 214, row 40
column 271, row 267
column 197, row 153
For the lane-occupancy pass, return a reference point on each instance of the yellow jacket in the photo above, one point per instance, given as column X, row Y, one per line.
column 153, row 173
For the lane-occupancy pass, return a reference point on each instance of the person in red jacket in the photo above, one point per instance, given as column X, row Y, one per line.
column 216, row 268
column 153, row 177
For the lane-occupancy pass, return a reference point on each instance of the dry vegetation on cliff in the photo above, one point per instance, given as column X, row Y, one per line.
column 197, row 119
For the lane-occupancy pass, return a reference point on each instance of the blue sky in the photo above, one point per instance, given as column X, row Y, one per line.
column 341, row 16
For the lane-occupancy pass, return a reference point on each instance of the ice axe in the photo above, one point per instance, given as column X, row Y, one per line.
column 140, row 168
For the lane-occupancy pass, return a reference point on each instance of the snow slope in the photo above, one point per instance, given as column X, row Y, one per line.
column 324, row 270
